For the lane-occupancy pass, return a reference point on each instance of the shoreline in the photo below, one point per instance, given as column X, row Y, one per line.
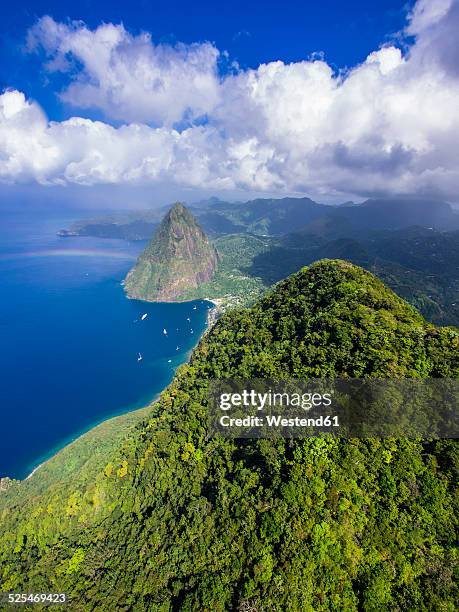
column 55, row 452
column 214, row 313
column 38, row 467
column 211, row 317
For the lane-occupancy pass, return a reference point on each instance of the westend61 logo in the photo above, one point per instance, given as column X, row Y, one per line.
column 341, row 407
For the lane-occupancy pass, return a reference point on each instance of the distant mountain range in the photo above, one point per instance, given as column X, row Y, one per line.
column 275, row 217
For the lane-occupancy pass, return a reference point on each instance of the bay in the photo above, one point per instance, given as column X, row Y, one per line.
column 70, row 339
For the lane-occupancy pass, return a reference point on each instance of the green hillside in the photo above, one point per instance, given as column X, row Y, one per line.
column 172, row 519
column 233, row 284
column 420, row 265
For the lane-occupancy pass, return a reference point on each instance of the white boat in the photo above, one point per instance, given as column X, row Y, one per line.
column 177, row 348
column 144, row 316
column 188, row 319
column 139, row 358
column 194, row 307
column 165, row 331
column 169, row 361
column 192, row 332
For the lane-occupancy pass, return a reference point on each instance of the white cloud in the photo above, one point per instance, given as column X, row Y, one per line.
column 390, row 124
column 427, row 13
column 126, row 76
column 435, row 24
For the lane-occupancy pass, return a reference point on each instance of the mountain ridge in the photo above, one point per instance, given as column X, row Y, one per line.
column 277, row 216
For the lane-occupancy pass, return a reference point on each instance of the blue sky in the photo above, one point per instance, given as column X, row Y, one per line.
column 329, row 99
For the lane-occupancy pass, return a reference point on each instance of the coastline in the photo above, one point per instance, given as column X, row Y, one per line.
column 86, row 279
column 38, row 467
column 214, row 313
column 71, row 440
column 211, row 316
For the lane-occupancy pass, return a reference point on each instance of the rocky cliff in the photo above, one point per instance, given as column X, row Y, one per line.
column 178, row 258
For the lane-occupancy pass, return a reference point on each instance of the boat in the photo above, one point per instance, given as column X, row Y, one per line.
column 144, row 316
column 165, row 331
column 139, row 358
column 169, row 361
column 188, row 319
column 194, row 307
column 177, row 348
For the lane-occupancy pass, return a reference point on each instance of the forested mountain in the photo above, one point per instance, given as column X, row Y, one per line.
column 174, row 519
column 179, row 257
column 269, row 216
column 419, row 264
column 275, row 217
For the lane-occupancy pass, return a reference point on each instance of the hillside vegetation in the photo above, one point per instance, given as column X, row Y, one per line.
column 233, row 284
column 173, row 519
column 420, row 265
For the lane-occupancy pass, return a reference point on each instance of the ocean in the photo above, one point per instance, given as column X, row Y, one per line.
column 70, row 340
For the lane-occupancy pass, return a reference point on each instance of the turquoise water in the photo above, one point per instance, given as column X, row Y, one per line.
column 70, row 338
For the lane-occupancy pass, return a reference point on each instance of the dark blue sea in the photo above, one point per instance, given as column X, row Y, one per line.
column 70, row 339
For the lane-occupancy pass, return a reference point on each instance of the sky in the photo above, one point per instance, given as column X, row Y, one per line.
column 139, row 100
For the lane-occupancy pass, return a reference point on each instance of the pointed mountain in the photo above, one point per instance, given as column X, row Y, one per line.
column 178, row 258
